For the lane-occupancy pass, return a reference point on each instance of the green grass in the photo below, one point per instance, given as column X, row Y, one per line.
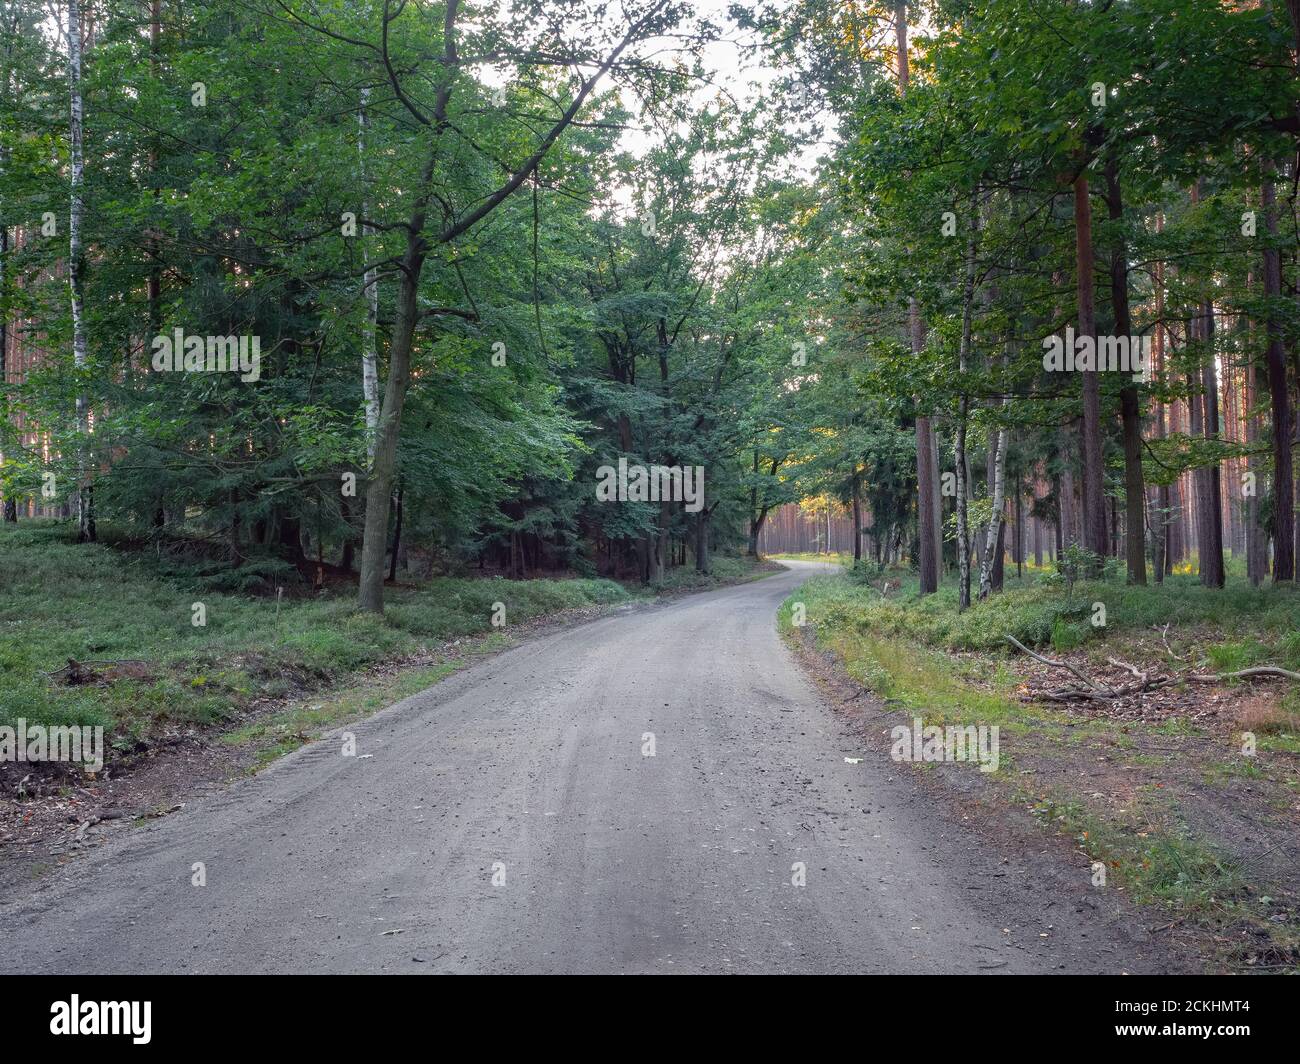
column 282, row 732
column 903, row 649
column 1242, row 768
column 1170, row 868
column 724, row 569
column 1246, row 624
column 59, row 600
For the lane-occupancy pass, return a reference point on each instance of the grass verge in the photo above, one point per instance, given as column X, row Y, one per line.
column 129, row 621
column 1172, row 812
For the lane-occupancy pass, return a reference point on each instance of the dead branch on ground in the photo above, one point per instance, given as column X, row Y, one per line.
column 1142, row 681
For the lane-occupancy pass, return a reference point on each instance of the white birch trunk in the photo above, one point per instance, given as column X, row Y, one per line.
column 8, row 504
column 75, row 264
column 995, row 521
column 369, row 357
column 963, row 408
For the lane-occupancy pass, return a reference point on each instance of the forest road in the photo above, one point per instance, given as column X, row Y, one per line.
column 511, row 819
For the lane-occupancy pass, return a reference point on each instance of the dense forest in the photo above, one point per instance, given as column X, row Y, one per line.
column 318, row 288
column 718, row 389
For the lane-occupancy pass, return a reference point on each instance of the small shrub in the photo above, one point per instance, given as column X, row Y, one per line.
column 1067, row 635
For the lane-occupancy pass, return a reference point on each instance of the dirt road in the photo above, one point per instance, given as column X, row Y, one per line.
column 511, row 819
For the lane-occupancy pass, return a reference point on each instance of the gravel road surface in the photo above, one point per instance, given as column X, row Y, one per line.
column 510, row 820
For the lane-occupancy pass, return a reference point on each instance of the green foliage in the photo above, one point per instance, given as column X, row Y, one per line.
column 1074, row 563
column 724, row 569
column 1265, row 619
column 59, row 600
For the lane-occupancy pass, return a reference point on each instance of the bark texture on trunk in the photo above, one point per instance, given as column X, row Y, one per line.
column 993, row 536
column 963, row 407
column 1211, row 549
column 927, row 480
column 76, row 271
column 1094, row 500
column 10, row 504
column 1256, row 540
column 370, row 285
column 1130, row 410
column 1280, row 398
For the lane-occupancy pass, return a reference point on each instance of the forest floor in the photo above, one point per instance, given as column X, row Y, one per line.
column 186, row 708
column 1160, row 787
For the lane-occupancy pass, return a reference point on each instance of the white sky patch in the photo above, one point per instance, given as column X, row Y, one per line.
column 730, row 67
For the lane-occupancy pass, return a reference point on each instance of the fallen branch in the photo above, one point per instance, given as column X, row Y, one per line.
column 1126, row 666
column 1164, row 638
column 1258, row 670
column 1074, row 694
column 1092, row 684
column 1142, row 681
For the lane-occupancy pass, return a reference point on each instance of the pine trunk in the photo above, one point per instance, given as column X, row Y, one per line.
column 1094, row 499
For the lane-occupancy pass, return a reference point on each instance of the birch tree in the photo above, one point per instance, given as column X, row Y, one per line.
column 370, row 286
column 76, row 270
column 10, row 33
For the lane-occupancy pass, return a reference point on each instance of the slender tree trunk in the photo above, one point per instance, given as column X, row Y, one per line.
column 963, row 532
column 857, row 516
column 76, row 271
column 1037, row 526
column 1256, row 541
column 379, row 486
column 369, row 356
column 1020, row 529
column 1229, row 426
column 1067, row 523
column 1284, row 525
column 1294, row 377
column 1000, row 557
column 1134, row 486
column 927, row 487
column 661, row 541
column 1196, row 426
column 1162, row 529
column 397, row 537
column 936, row 498
column 963, row 407
column 993, row 537
column 756, row 530
column 348, row 556
column 1211, row 552
column 1094, row 500
column 154, row 284
column 928, row 562
column 1176, row 526
column 10, row 503
column 1063, row 485
column 1205, row 415
column 702, row 564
